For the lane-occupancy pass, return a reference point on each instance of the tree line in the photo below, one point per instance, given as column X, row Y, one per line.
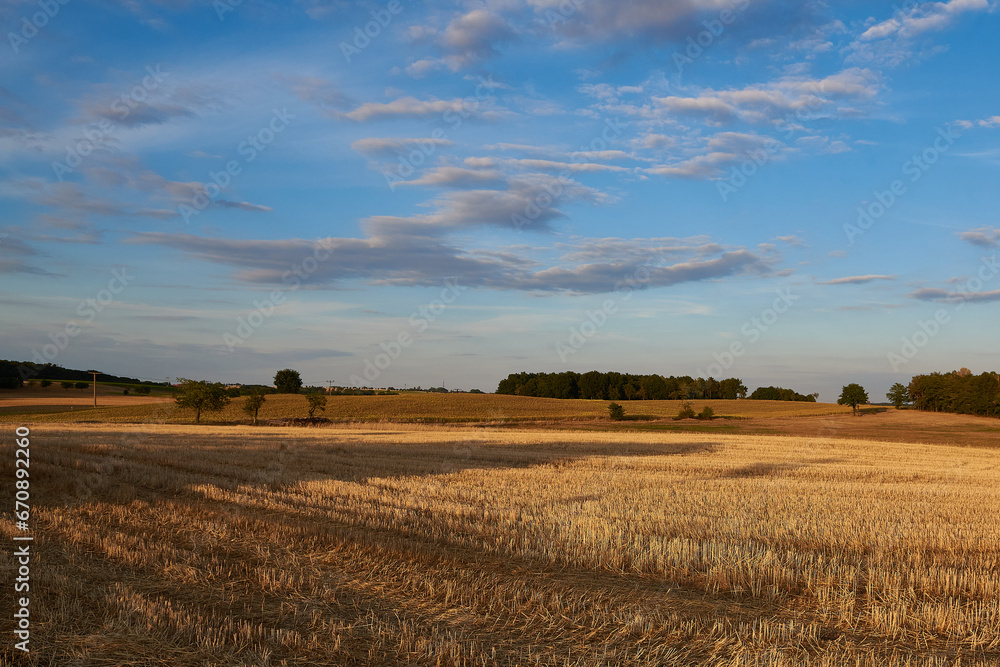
column 619, row 386
column 14, row 373
column 779, row 394
column 958, row 391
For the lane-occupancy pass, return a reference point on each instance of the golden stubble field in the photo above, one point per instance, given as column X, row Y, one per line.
column 432, row 408
column 28, row 400
column 176, row 545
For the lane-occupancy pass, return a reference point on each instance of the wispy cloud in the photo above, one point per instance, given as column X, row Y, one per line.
column 406, row 107
column 400, row 260
column 992, row 121
column 896, row 41
column 857, row 280
column 942, row 295
column 468, row 39
column 984, row 237
column 391, row 146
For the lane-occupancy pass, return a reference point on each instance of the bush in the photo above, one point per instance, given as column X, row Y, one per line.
column 707, row 413
column 82, row 385
column 616, row 412
column 66, row 384
column 686, row 412
column 142, row 391
column 46, row 384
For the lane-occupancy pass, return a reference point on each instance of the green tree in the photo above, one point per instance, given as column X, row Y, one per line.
column 287, row 381
column 616, row 412
column 46, row 384
column 316, row 401
column 200, row 395
column 853, row 395
column 82, row 385
column 707, row 413
column 898, row 394
column 66, row 384
column 732, row 388
column 255, row 399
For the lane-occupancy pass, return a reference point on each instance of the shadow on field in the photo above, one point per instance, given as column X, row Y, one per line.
column 100, row 465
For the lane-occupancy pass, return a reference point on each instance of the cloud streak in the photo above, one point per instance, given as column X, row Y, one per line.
column 857, row 280
column 409, row 261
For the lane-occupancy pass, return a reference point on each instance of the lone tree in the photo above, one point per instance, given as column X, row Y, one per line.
column 616, row 412
column 287, row 381
column 316, row 401
column 853, row 395
column 898, row 394
column 200, row 395
column 255, row 399
column 82, row 385
column 66, row 384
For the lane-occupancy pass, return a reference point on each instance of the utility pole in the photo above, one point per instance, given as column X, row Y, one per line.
column 95, row 374
column 329, row 386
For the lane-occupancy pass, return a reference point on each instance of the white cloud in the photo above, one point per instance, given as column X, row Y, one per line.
column 411, row 107
column 455, row 177
column 984, row 237
column 920, row 18
column 895, row 41
column 991, row 122
column 787, row 97
column 552, row 165
column 468, row 39
column 404, row 106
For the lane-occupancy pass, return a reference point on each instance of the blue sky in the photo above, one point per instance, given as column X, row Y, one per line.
column 793, row 193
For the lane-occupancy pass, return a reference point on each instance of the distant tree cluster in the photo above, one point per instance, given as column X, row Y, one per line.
column 247, row 389
column 619, row 386
column 779, row 394
column 352, row 391
column 958, row 391
column 13, row 373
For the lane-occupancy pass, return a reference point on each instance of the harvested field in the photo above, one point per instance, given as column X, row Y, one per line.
column 444, row 408
column 177, row 545
column 58, row 399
